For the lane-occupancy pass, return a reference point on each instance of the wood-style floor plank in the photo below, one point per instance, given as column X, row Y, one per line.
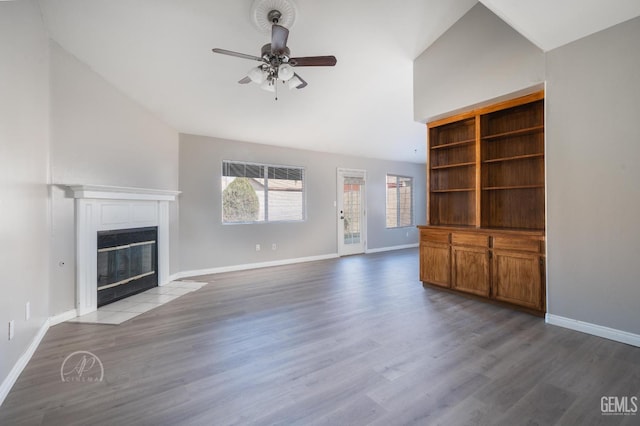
column 350, row 341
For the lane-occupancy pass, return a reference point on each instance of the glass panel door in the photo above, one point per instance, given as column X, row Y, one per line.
column 351, row 209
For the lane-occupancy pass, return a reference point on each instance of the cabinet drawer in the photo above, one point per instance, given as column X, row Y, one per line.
column 531, row 244
column 470, row 239
column 434, row 236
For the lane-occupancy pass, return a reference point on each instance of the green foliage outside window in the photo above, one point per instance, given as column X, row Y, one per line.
column 240, row 202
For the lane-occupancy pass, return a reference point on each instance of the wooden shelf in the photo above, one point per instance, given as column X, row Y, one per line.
column 449, row 166
column 515, row 157
column 493, row 161
column 515, row 133
column 500, row 188
column 454, row 144
column 441, row 191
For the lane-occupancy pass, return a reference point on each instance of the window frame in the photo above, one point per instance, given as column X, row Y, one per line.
column 265, row 172
column 398, row 208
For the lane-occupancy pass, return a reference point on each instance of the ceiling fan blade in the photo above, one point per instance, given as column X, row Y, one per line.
column 279, row 36
column 245, row 80
column 314, row 61
column 302, row 84
column 237, row 55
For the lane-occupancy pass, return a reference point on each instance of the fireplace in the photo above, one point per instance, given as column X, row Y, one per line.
column 103, row 210
column 127, row 263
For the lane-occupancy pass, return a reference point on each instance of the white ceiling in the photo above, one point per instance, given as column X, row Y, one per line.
column 158, row 52
column 553, row 23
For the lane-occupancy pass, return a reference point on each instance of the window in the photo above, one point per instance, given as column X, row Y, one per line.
column 399, row 201
column 258, row 193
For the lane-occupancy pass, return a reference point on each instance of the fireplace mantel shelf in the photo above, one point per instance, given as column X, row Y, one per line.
column 105, row 192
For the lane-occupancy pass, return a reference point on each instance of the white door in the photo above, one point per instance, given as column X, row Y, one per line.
column 352, row 229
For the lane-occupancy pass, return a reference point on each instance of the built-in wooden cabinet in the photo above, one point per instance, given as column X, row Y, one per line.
column 435, row 258
column 512, row 167
column 452, row 173
column 505, row 266
column 486, row 203
column 518, row 270
column 470, row 258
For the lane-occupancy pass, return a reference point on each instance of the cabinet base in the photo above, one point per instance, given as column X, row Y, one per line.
column 530, row 311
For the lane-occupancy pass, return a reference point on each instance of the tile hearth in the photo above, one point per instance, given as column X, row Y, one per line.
column 118, row 312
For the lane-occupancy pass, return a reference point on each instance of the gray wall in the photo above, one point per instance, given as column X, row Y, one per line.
column 479, row 58
column 99, row 136
column 206, row 243
column 593, row 148
column 24, row 150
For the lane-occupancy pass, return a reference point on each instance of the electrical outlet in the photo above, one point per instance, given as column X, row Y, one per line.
column 257, row 247
column 274, row 246
column 27, row 311
column 12, row 327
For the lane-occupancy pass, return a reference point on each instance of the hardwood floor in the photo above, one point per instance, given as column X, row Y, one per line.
column 354, row 341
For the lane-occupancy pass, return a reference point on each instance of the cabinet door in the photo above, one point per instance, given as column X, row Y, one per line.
column 435, row 264
column 517, row 278
column 470, row 271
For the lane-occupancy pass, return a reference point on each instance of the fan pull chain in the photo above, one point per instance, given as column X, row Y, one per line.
column 276, row 84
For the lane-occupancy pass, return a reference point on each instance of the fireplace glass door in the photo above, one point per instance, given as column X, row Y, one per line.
column 127, row 263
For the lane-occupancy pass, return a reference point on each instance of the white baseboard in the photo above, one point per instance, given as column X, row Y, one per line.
column 247, row 266
column 13, row 375
column 65, row 316
column 594, row 329
column 172, row 277
column 381, row 249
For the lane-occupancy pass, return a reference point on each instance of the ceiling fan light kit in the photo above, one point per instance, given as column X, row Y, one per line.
column 268, row 85
column 257, row 75
column 276, row 16
column 285, row 72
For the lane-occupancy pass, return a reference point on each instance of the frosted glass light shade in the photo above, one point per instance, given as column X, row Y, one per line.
column 257, row 75
column 269, row 86
column 285, row 72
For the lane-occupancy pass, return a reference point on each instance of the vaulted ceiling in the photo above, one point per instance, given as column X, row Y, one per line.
column 158, row 52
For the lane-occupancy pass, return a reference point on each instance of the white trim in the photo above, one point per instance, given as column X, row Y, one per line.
column 247, row 266
column 22, row 362
column 64, row 316
column 105, row 192
column 171, row 278
column 381, row 249
column 594, row 329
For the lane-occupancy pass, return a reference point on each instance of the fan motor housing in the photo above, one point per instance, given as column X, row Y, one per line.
column 266, row 51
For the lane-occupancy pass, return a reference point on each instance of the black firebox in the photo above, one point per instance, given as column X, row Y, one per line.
column 127, row 263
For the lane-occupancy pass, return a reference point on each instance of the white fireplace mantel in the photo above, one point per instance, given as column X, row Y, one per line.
column 122, row 193
column 104, row 208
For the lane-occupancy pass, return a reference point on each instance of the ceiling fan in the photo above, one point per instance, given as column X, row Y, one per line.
column 275, row 60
